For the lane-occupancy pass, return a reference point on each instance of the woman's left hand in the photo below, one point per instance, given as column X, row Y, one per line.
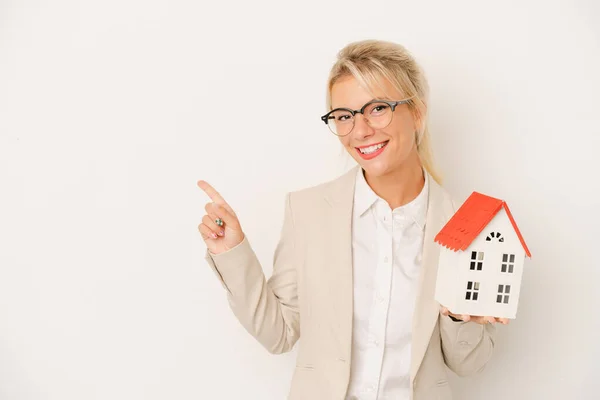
column 474, row 318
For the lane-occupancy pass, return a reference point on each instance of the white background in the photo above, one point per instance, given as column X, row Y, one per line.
column 110, row 111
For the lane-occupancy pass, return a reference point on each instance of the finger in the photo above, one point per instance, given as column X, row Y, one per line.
column 491, row 320
column 456, row 316
column 480, row 320
column 503, row 321
column 214, row 195
column 483, row 320
column 211, row 192
column 446, row 312
column 206, row 232
column 465, row 317
column 209, row 221
column 219, row 211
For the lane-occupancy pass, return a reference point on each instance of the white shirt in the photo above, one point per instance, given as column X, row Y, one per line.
column 387, row 247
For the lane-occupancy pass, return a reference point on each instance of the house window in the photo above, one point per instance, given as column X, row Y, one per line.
column 508, row 263
column 494, row 235
column 472, row 291
column 476, row 260
column 503, row 293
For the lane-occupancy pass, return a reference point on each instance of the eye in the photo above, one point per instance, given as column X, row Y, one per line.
column 340, row 116
column 377, row 109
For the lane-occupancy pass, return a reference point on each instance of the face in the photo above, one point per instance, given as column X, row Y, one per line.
column 398, row 138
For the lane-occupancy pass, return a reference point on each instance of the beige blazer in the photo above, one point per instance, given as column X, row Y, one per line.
column 310, row 295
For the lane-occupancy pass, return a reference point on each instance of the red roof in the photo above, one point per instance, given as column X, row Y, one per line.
column 470, row 219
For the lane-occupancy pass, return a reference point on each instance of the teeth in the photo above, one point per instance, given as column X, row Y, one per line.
column 372, row 149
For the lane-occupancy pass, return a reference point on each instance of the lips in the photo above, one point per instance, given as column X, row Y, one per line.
column 371, row 150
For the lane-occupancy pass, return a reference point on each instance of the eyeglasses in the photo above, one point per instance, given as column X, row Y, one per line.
column 378, row 114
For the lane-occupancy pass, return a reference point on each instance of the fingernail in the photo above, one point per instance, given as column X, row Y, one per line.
column 221, row 233
column 214, row 235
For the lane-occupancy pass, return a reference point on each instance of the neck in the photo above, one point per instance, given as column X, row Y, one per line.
column 398, row 187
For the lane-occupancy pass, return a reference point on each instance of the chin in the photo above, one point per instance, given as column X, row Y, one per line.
column 375, row 169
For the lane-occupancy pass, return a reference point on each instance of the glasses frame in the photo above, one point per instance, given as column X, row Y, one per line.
column 392, row 104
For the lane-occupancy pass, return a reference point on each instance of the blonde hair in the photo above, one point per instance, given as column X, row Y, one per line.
column 368, row 61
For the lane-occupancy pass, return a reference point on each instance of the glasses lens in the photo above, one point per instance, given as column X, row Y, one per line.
column 379, row 115
column 340, row 122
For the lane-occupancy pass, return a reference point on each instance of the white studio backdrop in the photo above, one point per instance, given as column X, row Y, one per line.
column 111, row 111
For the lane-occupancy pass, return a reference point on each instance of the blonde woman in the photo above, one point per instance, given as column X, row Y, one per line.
column 354, row 271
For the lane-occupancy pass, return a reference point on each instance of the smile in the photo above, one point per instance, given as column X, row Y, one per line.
column 372, row 151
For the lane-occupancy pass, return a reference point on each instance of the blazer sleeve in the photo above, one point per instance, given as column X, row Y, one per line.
column 467, row 346
column 268, row 309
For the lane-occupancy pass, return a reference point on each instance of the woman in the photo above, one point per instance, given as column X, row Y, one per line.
column 354, row 271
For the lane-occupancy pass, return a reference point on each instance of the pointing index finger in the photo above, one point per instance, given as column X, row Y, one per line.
column 215, row 196
column 211, row 192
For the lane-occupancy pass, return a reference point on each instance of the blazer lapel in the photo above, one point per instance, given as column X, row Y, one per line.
column 340, row 196
column 426, row 310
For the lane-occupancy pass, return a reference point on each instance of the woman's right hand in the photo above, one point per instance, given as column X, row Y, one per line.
column 219, row 239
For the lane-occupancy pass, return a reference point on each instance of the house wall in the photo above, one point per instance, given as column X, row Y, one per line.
column 447, row 278
column 491, row 274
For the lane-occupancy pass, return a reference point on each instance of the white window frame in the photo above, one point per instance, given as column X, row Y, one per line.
column 508, row 263
column 472, row 291
column 503, row 295
column 476, row 262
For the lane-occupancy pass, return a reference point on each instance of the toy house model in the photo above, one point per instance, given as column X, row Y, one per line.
column 481, row 259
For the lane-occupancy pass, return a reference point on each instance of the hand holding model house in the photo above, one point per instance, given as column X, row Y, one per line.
column 481, row 262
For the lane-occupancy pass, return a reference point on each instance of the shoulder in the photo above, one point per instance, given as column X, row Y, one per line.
column 447, row 200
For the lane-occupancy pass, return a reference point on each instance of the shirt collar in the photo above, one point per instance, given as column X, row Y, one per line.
column 365, row 198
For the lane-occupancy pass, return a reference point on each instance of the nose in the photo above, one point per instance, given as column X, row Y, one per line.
column 362, row 129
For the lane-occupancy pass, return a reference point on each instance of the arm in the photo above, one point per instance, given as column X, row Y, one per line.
column 268, row 309
column 466, row 346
